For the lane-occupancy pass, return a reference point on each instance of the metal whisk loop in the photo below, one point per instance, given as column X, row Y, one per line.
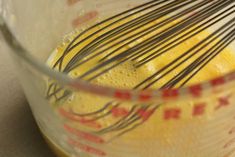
column 159, row 13
column 196, row 49
column 123, row 30
column 162, row 37
column 130, row 39
column 126, row 28
column 142, row 35
column 106, row 24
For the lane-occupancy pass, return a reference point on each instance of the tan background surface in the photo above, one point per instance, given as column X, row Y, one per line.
column 19, row 135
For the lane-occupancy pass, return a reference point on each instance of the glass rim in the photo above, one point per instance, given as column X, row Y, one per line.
column 156, row 95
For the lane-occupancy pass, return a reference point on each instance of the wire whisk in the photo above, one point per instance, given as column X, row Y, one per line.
column 142, row 35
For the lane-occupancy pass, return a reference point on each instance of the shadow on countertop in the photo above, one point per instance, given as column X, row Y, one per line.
column 19, row 134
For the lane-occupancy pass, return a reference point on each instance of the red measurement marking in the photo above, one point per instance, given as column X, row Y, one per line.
column 170, row 93
column 76, row 118
column 119, row 112
column 231, row 77
column 85, row 18
column 76, row 85
column 122, row 95
column 218, row 81
column 196, row 90
column 173, row 113
column 90, row 123
column 199, row 109
column 86, row 148
column 84, row 135
column 145, row 114
column 72, row 2
column 223, row 102
column 145, row 96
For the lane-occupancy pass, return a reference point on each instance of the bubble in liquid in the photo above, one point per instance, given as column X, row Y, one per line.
column 71, row 98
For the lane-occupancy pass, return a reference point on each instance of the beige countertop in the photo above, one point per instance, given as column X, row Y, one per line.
column 19, row 135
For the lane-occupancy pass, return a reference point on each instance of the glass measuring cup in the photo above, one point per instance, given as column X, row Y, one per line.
column 195, row 121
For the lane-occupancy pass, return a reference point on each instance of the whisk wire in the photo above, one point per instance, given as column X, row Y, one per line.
column 71, row 45
column 192, row 51
column 165, row 35
column 196, row 64
column 136, row 35
column 179, row 39
column 143, row 20
column 172, row 26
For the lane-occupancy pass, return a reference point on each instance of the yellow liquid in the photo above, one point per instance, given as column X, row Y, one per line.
column 127, row 76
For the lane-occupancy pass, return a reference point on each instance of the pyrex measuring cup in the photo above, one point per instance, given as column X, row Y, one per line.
column 195, row 121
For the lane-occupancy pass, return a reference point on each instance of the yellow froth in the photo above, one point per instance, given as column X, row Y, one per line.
column 128, row 76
